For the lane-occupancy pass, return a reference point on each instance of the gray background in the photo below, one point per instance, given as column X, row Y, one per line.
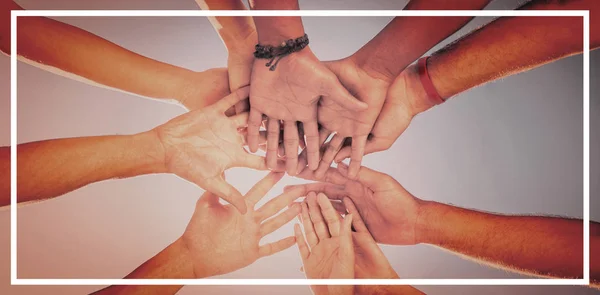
column 512, row 146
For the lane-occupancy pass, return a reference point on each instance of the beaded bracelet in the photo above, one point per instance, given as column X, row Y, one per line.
column 287, row 47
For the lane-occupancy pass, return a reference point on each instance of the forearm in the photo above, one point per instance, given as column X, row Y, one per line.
column 78, row 54
column 50, row 168
column 510, row 45
column 544, row 246
column 232, row 30
column 272, row 30
column 406, row 38
column 171, row 263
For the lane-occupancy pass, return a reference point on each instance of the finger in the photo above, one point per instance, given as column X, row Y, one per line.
column 344, row 153
column 230, row 100
column 302, row 246
column 329, row 214
column 357, row 221
column 358, row 149
column 242, row 106
column 261, row 188
column 303, row 158
column 240, row 120
column 302, row 141
column 339, row 206
column 276, row 204
column 251, row 161
column 316, row 217
column 209, row 199
column 290, row 141
column 333, row 147
column 336, row 192
column 280, row 220
column 230, row 112
column 227, row 192
column 338, row 93
column 272, row 142
column 254, row 122
column 272, row 248
column 311, row 130
column 374, row 145
column 346, row 246
column 262, row 137
column 377, row 145
column 366, row 176
column 309, row 230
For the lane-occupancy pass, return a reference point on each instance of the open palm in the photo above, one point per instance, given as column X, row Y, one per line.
column 331, row 254
column 388, row 210
column 221, row 240
column 200, row 145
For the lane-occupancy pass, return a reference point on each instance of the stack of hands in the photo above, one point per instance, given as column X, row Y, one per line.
column 305, row 114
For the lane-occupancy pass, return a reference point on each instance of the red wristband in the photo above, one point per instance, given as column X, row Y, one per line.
column 432, row 94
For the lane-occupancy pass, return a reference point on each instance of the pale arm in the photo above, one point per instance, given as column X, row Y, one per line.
column 543, row 246
column 234, row 31
column 407, row 38
column 50, row 168
column 171, row 263
column 272, row 30
column 239, row 36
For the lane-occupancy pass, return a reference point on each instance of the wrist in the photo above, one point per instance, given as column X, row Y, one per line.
column 275, row 30
column 430, row 223
column 418, row 101
column 374, row 65
column 180, row 255
column 242, row 43
column 153, row 151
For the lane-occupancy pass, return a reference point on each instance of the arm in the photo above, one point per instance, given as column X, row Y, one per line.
column 405, row 39
column 544, row 246
column 511, row 45
column 186, row 146
column 219, row 240
column 239, row 35
column 171, row 263
column 504, row 47
column 368, row 73
column 75, row 53
column 272, row 30
column 51, row 168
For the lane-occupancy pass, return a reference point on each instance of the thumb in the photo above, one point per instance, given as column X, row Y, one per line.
column 227, row 192
column 366, row 176
column 209, row 199
column 338, row 93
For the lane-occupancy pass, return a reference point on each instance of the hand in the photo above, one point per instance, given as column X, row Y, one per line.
column 349, row 123
column 331, row 254
column 405, row 99
column 200, row 145
column 291, row 93
column 389, row 212
column 204, row 89
column 221, row 240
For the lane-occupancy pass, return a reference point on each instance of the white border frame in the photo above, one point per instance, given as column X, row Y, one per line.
column 91, row 13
